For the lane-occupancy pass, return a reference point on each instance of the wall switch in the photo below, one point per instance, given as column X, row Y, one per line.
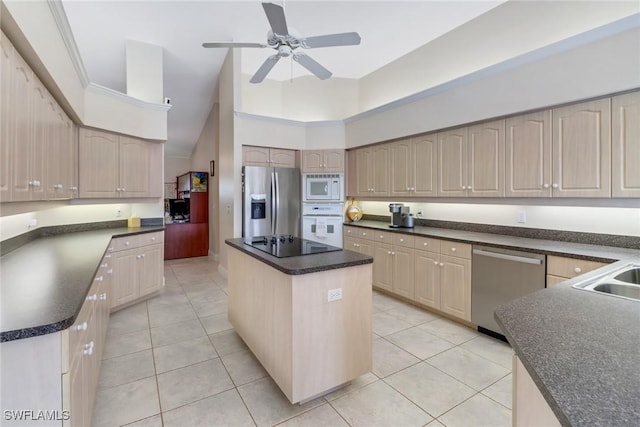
column 522, row 217
column 334, row 294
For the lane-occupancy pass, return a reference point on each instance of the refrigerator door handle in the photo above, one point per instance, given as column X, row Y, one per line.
column 273, row 204
column 277, row 204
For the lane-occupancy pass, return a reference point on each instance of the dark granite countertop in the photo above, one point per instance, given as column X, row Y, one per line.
column 549, row 247
column 304, row 264
column 582, row 349
column 45, row 281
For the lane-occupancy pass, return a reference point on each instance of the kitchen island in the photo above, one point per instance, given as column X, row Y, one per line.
column 307, row 318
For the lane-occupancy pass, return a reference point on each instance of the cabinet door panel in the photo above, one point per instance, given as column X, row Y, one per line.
column 456, row 287
column 400, row 172
column 98, row 157
column 282, row 158
column 7, row 111
column 626, row 145
column 424, row 166
column 134, row 167
column 403, row 272
column 312, row 161
column 255, row 156
column 125, row 280
column 22, row 140
column 582, row 150
column 366, row 248
column 334, row 161
column 528, row 155
column 427, row 278
column 151, row 269
column 486, row 160
column 452, row 163
column 363, row 171
column 380, row 169
column 382, row 266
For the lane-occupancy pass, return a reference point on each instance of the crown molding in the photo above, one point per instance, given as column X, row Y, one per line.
column 300, row 123
column 60, row 17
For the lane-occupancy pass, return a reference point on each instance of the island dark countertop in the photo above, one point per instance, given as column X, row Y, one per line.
column 582, row 350
column 45, row 282
column 304, row 264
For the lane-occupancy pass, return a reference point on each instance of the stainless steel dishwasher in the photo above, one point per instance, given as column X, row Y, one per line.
column 499, row 276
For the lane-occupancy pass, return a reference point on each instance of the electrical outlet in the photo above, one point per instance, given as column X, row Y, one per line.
column 334, row 294
column 118, row 213
column 522, row 217
column 32, row 223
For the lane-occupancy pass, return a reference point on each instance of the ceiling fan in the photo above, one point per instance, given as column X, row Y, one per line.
column 286, row 40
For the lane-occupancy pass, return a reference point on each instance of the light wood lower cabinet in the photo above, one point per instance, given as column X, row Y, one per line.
column 443, row 276
column 530, row 409
column 138, row 265
column 560, row 269
column 432, row 272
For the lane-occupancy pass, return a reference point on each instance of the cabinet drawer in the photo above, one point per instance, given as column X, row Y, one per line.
column 382, row 236
column 150, row 238
column 457, row 249
column 403, row 240
column 122, row 243
column 350, row 231
column 570, row 267
column 366, row 234
column 427, row 244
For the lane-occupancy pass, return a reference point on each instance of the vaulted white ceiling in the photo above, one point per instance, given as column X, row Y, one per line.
column 389, row 29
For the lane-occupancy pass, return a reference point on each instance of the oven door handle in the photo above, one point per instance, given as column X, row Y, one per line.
column 515, row 258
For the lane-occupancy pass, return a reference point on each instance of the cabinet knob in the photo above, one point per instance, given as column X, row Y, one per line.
column 364, row 233
column 104, row 265
column 99, row 279
column 88, row 349
column 425, row 244
column 545, row 185
column 382, row 236
column 153, row 239
column 81, row 327
column 453, row 249
column 401, row 240
column 413, row 189
column 73, row 188
column 577, row 270
column 103, row 297
column 388, row 252
column 435, row 262
column 408, row 189
column 122, row 189
column 393, row 253
column 554, row 185
column 93, row 297
column 357, row 245
column 127, row 243
column 464, row 187
column 441, row 264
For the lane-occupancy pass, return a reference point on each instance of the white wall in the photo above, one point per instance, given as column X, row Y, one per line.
column 602, row 67
column 175, row 166
column 591, row 219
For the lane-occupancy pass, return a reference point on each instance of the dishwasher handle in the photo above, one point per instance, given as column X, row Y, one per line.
column 515, row 258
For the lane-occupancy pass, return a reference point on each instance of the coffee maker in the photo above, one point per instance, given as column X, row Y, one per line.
column 400, row 216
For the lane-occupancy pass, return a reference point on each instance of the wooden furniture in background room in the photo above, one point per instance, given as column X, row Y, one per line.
column 190, row 239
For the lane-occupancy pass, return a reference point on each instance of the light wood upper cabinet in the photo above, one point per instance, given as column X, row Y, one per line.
column 62, row 155
column 318, row 161
column 485, row 176
column 7, row 110
column 372, row 168
column 265, row 156
column 351, row 174
column 118, row 166
column 424, row 155
column 452, row 163
column 528, row 155
column 626, row 145
column 401, row 170
column 582, row 150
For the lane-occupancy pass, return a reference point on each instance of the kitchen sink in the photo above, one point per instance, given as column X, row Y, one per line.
column 624, row 282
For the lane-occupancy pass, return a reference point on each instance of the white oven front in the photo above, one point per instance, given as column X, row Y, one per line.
column 324, row 229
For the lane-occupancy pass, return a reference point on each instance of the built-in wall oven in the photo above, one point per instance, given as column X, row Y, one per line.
column 323, row 223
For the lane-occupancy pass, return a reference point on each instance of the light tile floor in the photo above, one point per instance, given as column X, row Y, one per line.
column 175, row 360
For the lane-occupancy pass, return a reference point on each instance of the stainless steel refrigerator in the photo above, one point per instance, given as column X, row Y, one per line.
column 271, row 201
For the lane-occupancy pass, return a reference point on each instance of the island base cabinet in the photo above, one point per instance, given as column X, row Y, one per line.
column 308, row 345
column 530, row 409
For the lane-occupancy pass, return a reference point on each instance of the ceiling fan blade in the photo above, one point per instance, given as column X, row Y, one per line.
column 275, row 15
column 340, row 39
column 232, row 44
column 310, row 64
column 264, row 69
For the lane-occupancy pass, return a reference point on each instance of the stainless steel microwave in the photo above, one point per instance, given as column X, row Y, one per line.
column 323, row 187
